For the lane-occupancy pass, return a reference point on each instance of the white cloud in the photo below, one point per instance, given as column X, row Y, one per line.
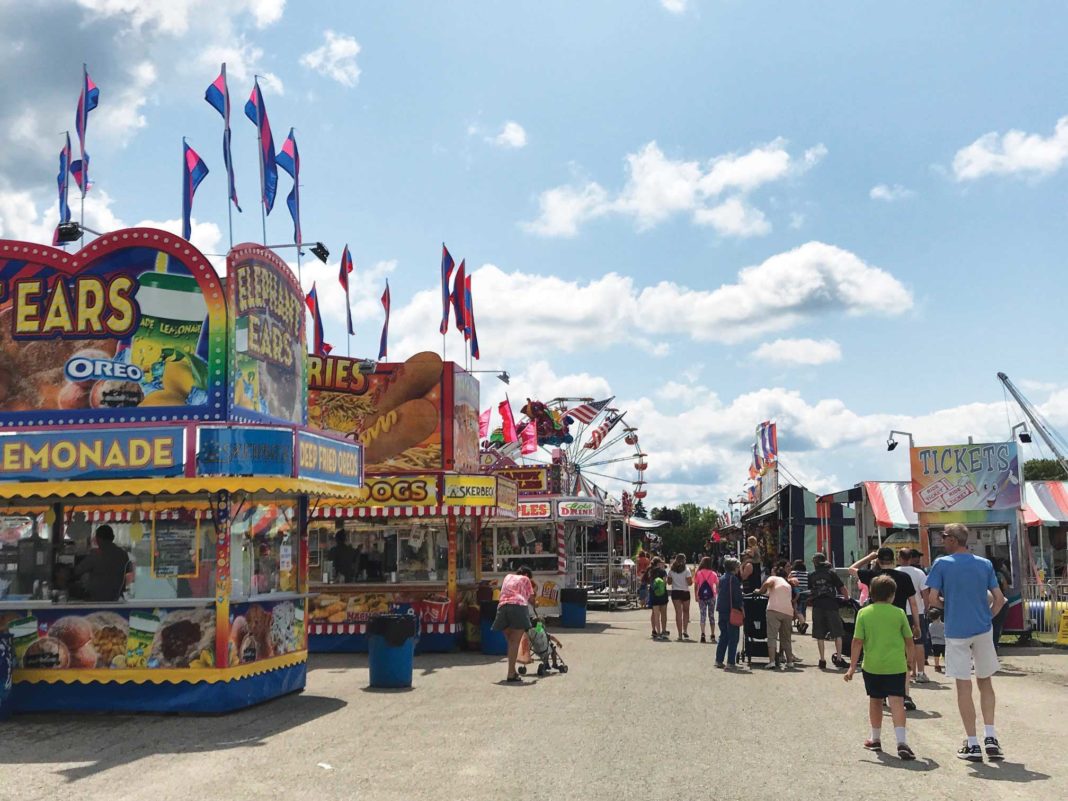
column 889, row 194
column 206, row 237
column 336, row 58
column 1013, row 153
column 790, row 352
column 734, row 217
column 700, row 453
column 808, row 281
column 564, row 208
column 122, row 118
column 243, row 61
column 174, row 17
column 659, row 187
column 674, row 6
column 511, row 135
column 515, row 308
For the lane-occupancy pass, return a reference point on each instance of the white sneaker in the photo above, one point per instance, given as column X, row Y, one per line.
column 921, row 678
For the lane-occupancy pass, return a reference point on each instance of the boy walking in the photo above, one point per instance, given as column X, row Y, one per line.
column 937, row 630
column 883, row 631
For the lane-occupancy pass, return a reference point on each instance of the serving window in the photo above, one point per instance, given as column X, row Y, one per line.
column 265, row 547
column 25, row 552
column 393, row 552
column 172, row 552
column 506, row 548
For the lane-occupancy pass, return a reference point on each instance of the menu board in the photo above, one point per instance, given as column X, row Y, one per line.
column 175, row 548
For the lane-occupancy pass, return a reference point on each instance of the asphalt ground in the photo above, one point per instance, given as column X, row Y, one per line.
column 632, row 719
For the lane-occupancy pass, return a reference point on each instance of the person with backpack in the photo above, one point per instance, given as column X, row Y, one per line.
column 656, row 578
column 731, row 611
column 706, row 581
column 681, row 580
column 825, row 588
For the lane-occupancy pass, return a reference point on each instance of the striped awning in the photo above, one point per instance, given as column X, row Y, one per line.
column 326, row 511
column 891, row 503
column 1045, row 503
column 127, row 515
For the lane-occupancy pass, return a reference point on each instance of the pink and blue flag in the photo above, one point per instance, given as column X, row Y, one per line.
column 319, row 345
column 343, row 278
column 194, row 171
column 63, row 184
column 218, row 94
column 289, row 160
column 79, row 168
column 88, row 100
column 447, row 265
column 459, row 302
column 470, row 332
column 384, row 339
column 257, row 112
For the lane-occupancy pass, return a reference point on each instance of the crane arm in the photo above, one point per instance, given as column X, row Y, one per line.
column 1039, row 424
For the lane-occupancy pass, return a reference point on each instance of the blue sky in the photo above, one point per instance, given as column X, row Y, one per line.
column 719, row 211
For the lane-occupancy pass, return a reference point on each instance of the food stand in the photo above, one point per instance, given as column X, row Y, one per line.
column 416, row 528
column 140, row 393
column 544, row 536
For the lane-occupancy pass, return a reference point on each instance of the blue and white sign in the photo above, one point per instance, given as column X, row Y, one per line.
column 325, row 459
column 244, row 451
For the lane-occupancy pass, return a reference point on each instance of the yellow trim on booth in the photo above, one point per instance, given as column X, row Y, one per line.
column 115, row 487
column 158, row 675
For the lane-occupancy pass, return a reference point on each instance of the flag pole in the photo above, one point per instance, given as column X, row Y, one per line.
column 85, row 160
column 263, row 178
column 229, row 154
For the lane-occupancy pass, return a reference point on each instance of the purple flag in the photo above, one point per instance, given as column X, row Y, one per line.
column 218, row 94
column 257, row 112
column 193, row 172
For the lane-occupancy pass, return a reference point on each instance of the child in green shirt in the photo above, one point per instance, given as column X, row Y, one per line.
column 883, row 631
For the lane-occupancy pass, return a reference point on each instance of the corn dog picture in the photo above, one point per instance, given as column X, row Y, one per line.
column 398, row 430
column 413, row 379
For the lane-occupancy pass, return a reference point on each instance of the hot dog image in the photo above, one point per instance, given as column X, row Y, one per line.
column 414, row 379
column 399, row 429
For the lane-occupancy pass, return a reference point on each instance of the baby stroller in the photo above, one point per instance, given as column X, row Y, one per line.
column 848, row 609
column 542, row 648
column 755, row 630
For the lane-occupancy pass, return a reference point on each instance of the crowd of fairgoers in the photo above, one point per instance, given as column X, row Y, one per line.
column 903, row 621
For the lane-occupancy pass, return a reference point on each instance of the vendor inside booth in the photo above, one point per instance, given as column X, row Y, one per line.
column 153, row 507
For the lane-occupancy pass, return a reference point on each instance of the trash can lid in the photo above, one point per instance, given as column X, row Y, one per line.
column 395, row 628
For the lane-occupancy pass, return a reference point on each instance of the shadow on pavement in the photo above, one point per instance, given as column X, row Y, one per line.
column 590, row 628
column 1006, row 772
column 103, row 742
column 915, row 765
column 425, row 664
column 920, row 714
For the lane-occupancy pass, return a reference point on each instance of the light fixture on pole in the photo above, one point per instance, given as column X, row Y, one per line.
column 72, row 232
column 891, row 443
column 502, row 375
column 318, row 249
column 1025, row 434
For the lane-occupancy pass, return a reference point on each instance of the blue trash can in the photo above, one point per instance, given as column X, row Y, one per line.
column 494, row 643
column 7, row 672
column 391, row 648
column 573, row 607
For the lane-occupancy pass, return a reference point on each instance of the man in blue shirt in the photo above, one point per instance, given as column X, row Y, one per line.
column 963, row 581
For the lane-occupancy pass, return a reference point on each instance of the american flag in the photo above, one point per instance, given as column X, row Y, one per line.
column 599, row 433
column 587, row 412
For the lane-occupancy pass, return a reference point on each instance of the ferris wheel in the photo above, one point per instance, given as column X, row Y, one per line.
column 599, row 445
